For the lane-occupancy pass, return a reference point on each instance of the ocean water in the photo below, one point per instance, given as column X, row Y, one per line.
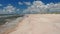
column 7, row 23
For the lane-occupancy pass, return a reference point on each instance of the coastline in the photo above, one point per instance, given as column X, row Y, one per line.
column 39, row 24
column 11, row 26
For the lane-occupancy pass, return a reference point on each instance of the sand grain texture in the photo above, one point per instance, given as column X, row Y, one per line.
column 39, row 24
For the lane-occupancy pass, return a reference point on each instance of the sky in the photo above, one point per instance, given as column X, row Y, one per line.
column 15, row 2
column 11, row 6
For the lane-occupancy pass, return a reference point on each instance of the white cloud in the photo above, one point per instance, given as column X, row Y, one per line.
column 37, row 7
column 18, row 9
column 20, row 3
column 40, row 7
column 1, row 11
column 38, row 3
column 9, row 9
column 27, row 3
column 1, row 5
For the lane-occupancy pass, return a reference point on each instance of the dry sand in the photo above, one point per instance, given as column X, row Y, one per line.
column 39, row 24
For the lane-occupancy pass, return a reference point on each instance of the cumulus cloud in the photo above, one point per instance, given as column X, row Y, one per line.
column 8, row 9
column 18, row 9
column 27, row 3
column 1, row 5
column 35, row 7
column 40, row 7
column 20, row 3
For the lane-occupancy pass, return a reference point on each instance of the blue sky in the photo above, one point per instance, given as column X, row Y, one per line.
column 15, row 2
column 13, row 5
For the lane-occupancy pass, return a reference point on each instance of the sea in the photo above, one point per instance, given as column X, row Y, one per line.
column 9, row 21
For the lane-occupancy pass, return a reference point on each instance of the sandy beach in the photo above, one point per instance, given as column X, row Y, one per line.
column 33, row 24
column 39, row 24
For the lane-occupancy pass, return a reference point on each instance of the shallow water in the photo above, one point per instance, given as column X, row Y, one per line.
column 10, row 24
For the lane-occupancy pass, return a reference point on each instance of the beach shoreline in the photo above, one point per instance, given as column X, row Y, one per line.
column 39, row 24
